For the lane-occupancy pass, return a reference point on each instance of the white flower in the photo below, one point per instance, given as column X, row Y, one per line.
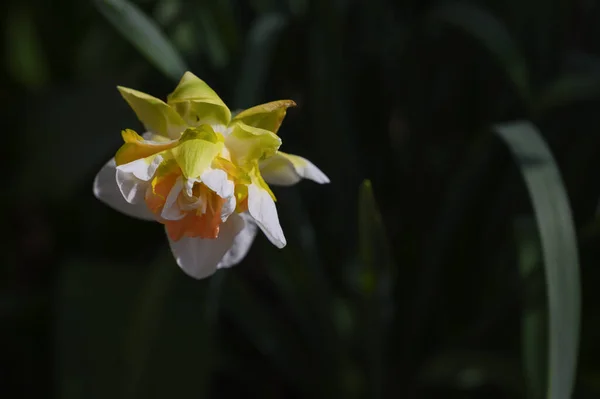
column 203, row 174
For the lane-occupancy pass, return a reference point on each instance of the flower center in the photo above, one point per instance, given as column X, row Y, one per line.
column 186, row 208
column 202, row 217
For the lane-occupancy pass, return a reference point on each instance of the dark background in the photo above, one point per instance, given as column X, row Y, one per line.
column 415, row 289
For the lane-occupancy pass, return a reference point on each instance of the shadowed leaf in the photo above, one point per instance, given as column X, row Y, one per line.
column 144, row 34
column 568, row 89
column 492, row 34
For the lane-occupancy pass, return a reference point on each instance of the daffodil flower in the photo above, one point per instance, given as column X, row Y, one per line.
column 203, row 174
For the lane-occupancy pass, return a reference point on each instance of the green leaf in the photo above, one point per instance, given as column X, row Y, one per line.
column 25, row 57
column 493, row 35
column 559, row 250
column 374, row 249
column 375, row 284
column 568, row 89
column 261, row 40
column 217, row 51
column 144, row 34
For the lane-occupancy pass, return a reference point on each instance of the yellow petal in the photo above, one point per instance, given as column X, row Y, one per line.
column 136, row 147
column 260, row 182
column 248, row 144
column 204, row 132
column 157, row 116
column 197, row 103
column 195, row 155
column 266, row 116
column 237, row 174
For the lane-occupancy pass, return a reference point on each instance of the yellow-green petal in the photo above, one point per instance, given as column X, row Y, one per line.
column 194, row 156
column 197, row 103
column 136, row 147
column 267, row 116
column 259, row 181
column 248, row 144
column 157, row 116
column 203, row 132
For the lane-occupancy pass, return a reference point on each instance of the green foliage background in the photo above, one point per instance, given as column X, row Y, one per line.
column 453, row 255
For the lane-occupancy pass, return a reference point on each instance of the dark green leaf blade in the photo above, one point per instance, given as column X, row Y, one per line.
column 25, row 59
column 374, row 282
column 373, row 245
column 568, row 89
column 145, row 35
column 259, row 48
column 493, row 36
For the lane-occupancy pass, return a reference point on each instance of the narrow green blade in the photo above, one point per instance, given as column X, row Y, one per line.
column 144, row 34
column 262, row 38
column 559, row 250
column 375, row 284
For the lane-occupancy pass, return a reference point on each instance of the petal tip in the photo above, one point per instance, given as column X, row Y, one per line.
column 124, row 90
column 282, row 243
column 324, row 180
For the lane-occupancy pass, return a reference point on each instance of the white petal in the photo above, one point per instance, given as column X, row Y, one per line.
column 220, row 128
column 171, row 209
column 262, row 208
column 241, row 243
column 132, row 188
column 144, row 168
column 199, row 257
column 155, row 138
column 311, row 172
column 189, row 186
column 216, row 180
column 107, row 191
column 228, row 207
column 285, row 170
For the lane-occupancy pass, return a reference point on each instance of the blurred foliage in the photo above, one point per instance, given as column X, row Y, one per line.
column 426, row 269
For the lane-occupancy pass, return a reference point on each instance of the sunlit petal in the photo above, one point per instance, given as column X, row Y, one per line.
column 228, row 207
column 155, row 114
column 171, row 209
column 137, row 147
column 198, row 257
column 217, row 181
column 241, row 244
column 195, row 152
column 144, row 168
column 106, row 190
column 286, row 169
column 262, row 208
column 267, row 116
column 197, row 103
column 248, row 144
